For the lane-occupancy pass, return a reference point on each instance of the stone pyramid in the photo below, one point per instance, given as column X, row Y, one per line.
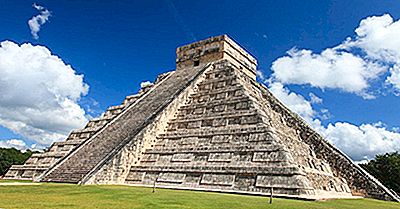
column 208, row 125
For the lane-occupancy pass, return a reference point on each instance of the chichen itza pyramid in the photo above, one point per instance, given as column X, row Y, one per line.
column 208, row 125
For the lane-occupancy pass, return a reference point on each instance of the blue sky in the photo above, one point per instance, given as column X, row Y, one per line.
column 118, row 45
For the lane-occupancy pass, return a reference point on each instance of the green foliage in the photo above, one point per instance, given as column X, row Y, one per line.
column 387, row 169
column 12, row 156
column 49, row 195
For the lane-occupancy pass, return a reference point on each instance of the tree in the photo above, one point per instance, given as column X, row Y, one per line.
column 12, row 156
column 386, row 168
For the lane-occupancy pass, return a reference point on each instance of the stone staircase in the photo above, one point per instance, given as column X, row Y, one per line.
column 38, row 163
column 108, row 141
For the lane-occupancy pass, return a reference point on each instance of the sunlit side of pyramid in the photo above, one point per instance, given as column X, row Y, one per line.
column 208, row 125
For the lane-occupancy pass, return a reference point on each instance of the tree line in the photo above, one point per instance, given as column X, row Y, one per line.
column 386, row 168
column 12, row 156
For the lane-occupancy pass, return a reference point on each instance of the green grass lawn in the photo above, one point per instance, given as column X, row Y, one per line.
column 11, row 181
column 49, row 195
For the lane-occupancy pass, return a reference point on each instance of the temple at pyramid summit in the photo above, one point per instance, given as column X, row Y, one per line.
column 210, row 126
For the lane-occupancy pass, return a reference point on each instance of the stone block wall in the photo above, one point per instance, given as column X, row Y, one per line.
column 214, row 49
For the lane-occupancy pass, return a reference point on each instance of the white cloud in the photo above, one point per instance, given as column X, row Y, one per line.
column 324, row 114
column 379, row 36
column 394, row 77
column 37, row 21
column 350, row 66
column 261, row 75
column 362, row 142
column 314, row 99
column 39, row 93
column 14, row 143
column 295, row 102
column 330, row 69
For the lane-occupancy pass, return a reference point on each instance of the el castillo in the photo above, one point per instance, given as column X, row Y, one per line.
column 206, row 126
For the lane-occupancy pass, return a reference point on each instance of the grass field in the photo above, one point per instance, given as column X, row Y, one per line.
column 73, row 196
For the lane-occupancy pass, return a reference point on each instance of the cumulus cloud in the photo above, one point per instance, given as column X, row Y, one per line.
column 330, row 69
column 261, row 75
column 314, row 99
column 394, row 77
column 362, row 142
column 39, row 93
column 324, row 114
column 295, row 102
column 37, row 21
column 350, row 66
column 14, row 143
column 378, row 36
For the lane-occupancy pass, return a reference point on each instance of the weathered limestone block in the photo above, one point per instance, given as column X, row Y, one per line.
column 275, row 156
column 135, row 176
column 182, row 157
column 171, row 177
column 290, row 182
column 220, row 157
column 218, row 179
column 149, row 158
column 221, row 139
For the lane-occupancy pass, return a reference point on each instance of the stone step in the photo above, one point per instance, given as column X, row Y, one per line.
column 52, row 154
column 271, row 170
column 231, row 89
column 215, row 131
column 69, row 142
column 231, row 148
column 217, row 80
column 213, row 103
column 131, row 99
column 216, row 115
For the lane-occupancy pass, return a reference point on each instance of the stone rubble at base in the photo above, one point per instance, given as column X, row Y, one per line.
column 208, row 125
